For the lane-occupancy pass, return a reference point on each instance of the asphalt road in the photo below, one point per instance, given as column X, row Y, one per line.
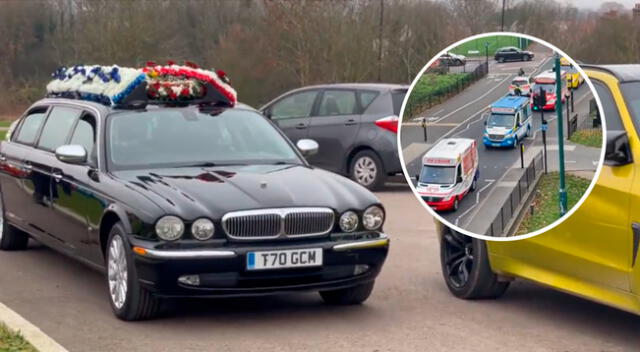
column 410, row 309
column 463, row 116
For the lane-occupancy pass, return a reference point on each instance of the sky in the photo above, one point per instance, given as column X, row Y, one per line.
column 595, row 4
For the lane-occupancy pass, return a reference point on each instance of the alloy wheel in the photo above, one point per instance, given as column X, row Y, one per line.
column 458, row 258
column 117, row 271
column 365, row 170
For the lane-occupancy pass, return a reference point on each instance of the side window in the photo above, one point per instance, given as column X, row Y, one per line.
column 294, row 106
column 30, row 126
column 611, row 114
column 57, row 127
column 366, row 98
column 458, row 173
column 338, row 102
column 85, row 134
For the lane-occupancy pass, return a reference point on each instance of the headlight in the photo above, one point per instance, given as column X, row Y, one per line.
column 349, row 221
column 202, row 229
column 169, row 228
column 373, row 217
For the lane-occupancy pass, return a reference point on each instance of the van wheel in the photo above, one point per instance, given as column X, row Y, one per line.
column 515, row 142
column 528, row 132
column 474, row 185
column 465, row 267
column 456, row 204
column 11, row 239
column 367, row 169
column 129, row 300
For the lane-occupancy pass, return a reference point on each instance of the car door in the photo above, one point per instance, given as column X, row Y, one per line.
column 76, row 204
column 334, row 125
column 14, row 171
column 43, row 163
column 292, row 113
column 595, row 244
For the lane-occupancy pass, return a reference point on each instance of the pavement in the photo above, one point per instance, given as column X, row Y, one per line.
column 463, row 116
column 410, row 309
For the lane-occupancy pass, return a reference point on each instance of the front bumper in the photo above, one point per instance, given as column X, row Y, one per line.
column 506, row 142
column 442, row 205
column 347, row 261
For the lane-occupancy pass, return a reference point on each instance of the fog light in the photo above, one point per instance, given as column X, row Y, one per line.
column 191, row 280
column 360, row 268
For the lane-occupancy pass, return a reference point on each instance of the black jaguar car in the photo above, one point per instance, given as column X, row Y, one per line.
column 186, row 200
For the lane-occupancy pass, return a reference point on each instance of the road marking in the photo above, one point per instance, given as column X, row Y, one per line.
column 476, row 203
column 35, row 336
column 510, row 184
column 474, row 100
column 482, row 115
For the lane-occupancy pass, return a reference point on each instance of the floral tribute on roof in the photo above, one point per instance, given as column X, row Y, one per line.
column 114, row 85
column 174, row 82
column 108, row 85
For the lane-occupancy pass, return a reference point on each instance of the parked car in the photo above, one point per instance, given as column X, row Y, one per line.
column 184, row 199
column 451, row 59
column 593, row 253
column 511, row 53
column 354, row 124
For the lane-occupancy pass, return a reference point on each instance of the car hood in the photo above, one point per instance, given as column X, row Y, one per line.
column 212, row 192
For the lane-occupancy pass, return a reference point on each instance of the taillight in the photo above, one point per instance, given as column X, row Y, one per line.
column 389, row 123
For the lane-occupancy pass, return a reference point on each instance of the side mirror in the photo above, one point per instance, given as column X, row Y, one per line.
column 459, row 179
column 71, row 154
column 267, row 114
column 618, row 151
column 307, row 147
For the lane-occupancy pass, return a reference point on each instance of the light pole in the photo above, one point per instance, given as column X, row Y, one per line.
column 502, row 21
column 562, row 191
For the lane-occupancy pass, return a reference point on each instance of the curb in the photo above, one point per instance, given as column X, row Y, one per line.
column 33, row 334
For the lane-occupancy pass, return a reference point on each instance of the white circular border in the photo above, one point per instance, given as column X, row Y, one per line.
column 530, row 234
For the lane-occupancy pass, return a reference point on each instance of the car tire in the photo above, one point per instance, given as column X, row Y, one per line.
column 11, row 239
column 501, row 59
column 348, row 296
column 528, row 57
column 465, row 267
column 131, row 301
column 367, row 170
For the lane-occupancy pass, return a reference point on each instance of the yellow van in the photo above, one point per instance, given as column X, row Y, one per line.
column 574, row 78
column 592, row 254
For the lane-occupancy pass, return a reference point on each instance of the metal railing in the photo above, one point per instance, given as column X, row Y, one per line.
column 528, row 179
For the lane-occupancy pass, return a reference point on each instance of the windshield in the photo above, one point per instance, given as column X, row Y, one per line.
column 631, row 92
column 519, row 82
column 442, row 175
column 501, row 120
column 175, row 137
column 547, row 87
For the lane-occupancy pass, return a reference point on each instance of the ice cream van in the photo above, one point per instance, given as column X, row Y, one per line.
column 449, row 171
column 508, row 123
column 547, row 82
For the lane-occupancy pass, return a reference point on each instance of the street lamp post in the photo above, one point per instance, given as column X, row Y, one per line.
column 486, row 54
column 562, row 191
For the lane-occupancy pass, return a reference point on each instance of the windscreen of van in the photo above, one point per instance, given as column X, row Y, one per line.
column 501, row 120
column 440, row 175
column 547, row 87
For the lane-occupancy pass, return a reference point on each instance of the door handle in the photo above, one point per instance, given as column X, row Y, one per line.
column 57, row 175
column 301, row 126
column 350, row 122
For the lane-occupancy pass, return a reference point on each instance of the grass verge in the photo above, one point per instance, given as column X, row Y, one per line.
column 590, row 138
column 11, row 341
column 431, row 88
column 546, row 207
column 495, row 42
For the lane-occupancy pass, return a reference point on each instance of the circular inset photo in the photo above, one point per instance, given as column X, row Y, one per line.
column 501, row 136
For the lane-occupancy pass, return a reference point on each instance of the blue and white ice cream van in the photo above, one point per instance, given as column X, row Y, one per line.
column 509, row 122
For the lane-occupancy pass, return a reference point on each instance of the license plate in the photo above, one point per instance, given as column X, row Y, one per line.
column 496, row 144
column 291, row 258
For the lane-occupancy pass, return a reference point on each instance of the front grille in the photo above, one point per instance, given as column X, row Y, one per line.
column 278, row 223
column 432, row 199
column 496, row 137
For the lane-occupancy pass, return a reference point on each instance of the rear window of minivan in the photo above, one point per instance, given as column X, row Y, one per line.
column 397, row 96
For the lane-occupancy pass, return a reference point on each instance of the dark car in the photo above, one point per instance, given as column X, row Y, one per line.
column 174, row 201
column 355, row 125
column 511, row 53
column 451, row 59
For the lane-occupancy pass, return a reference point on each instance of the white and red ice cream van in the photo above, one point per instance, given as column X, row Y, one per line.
column 449, row 171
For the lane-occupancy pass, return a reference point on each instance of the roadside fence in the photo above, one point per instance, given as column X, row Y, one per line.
column 513, row 204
